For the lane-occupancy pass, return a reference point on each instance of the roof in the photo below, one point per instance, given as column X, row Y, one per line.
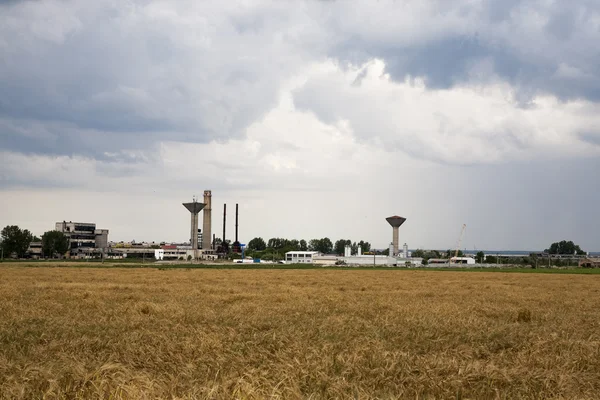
column 302, row 252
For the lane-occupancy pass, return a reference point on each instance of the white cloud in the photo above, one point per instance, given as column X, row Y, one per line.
column 466, row 124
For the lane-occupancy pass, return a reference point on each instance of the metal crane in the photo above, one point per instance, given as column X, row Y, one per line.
column 462, row 232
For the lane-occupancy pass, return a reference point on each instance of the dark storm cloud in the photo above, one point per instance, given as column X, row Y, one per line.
column 99, row 77
column 103, row 77
column 505, row 35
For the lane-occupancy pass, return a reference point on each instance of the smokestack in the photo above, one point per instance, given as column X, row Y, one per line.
column 224, row 220
column 395, row 222
column 194, row 208
column 236, row 223
column 207, row 220
column 213, row 242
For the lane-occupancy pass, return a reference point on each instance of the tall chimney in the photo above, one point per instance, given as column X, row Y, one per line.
column 207, row 220
column 213, row 242
column 236, row 222
column 224, row 220
column 395, row 222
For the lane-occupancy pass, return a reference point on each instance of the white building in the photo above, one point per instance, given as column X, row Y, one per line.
column 300, row 257
column 462, row 260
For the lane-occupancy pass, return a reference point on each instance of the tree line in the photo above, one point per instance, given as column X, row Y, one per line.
column 322, row 245
column 16, row 241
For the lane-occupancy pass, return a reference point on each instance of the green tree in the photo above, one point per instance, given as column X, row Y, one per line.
column 340, row 246
column 54, row 243
column 303, row 245
column 277, row 243
column 479, row 257
column 365, row 246
column 323, row 245
column 257, row 243
column 15, row 240
column 565, row 247
column 419, row 253
column 450, row 253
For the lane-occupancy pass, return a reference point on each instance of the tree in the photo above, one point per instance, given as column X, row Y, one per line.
column 418, row 253
column 257, row 243
column 54, row 242
column 340, row 246
column 479, row 257
column 303, row 245
column 277, row 243
column 566, row 248
column 323, row 245
column 365, row 246
column 15, row 240
column 450, row 253
column 293, row 245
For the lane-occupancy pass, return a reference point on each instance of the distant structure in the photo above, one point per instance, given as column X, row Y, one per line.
column 194, row 208
column 84, row 238
column 395, row 222
column 207, row 221
column 236, row 247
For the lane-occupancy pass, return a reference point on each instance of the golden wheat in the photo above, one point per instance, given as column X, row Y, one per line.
column 253, row 334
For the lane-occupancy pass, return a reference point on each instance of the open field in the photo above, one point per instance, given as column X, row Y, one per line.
column 132, row 263
column 206, row 333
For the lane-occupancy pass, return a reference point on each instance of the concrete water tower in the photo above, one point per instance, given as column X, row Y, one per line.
column 395, row 222
column 194, row 208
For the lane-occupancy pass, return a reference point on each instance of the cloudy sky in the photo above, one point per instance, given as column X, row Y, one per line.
column 320, row 118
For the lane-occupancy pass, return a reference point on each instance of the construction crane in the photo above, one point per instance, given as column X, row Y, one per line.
column 462, row 232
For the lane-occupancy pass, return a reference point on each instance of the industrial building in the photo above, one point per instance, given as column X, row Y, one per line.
column 462, row 260
column 589, row 263
column 295, row 257
column 84, row 238
column 393, row 259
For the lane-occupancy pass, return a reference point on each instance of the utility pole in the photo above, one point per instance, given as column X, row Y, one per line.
column 374, row 252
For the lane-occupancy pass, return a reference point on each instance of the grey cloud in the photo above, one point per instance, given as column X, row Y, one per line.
column 502, row 33
column 136, row 78
column 110, row 76
column 592, row 138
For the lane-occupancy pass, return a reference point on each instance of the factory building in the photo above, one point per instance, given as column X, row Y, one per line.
column 295, row 257
column 84, row 238
column 462, row 260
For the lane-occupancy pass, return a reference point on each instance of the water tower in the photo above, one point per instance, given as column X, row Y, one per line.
column 395, row 222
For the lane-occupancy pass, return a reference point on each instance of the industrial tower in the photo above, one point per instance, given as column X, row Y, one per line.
column 194, row 208
column 207, row 221
column 395, row 222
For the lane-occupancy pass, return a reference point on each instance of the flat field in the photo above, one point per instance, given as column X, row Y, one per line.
column 206, row 333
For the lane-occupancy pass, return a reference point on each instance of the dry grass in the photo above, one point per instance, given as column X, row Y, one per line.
column 144, row 334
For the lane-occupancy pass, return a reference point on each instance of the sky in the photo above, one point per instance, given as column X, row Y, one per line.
column 319, row 118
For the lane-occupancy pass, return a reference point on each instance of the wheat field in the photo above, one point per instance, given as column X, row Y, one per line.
column 294, row 334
